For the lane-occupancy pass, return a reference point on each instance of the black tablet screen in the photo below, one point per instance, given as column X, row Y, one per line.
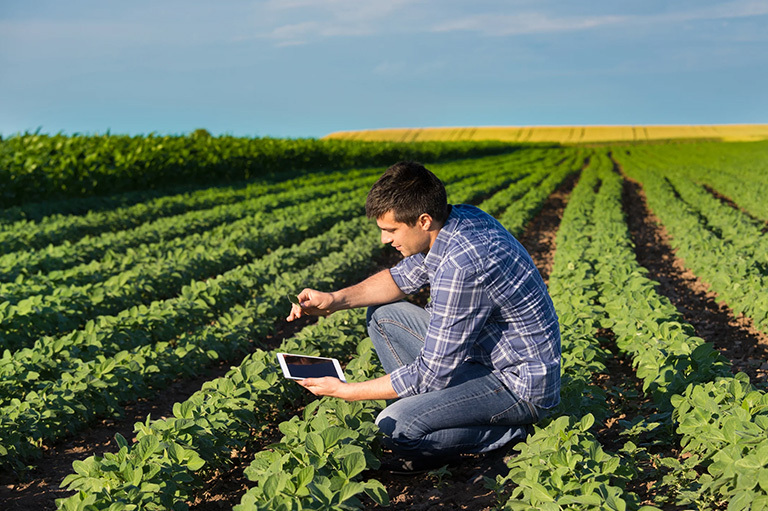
column 309, row 367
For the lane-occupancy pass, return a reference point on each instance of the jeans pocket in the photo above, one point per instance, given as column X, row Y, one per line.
column 520, row 412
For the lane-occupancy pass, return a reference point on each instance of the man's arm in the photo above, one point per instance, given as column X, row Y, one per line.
column 379, row 388
column 375, row 290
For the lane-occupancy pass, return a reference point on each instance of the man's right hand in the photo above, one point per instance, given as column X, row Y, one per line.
column 312, row 303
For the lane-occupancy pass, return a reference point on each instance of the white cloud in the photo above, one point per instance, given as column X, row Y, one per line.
column 502, row 24
column 524, row 23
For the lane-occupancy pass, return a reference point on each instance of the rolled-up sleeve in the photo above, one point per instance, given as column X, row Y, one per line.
column 459, row 310
column 410, row 274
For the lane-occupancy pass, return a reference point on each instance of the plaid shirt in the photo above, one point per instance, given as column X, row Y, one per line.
column 488, row 304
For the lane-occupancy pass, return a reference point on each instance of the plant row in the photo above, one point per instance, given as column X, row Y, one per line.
column 171, row 458
column 26, row 235
column 689, row 382
column 321, row 457
column 199, row 303
column 522, row 209
column 54, row 264
column 35, row 167
column 562, row 465
column 735, row 170
column 155, row 277
column 731, row 273
column 52, row 377
column 161, row 230
column 95, row 387
column 57, row 228
column 68, row 308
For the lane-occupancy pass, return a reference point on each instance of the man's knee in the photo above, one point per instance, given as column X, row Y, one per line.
column 398, row 434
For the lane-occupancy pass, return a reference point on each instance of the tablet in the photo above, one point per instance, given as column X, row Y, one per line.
column 298, row 367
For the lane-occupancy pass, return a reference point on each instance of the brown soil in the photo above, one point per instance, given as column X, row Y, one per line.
column 728, row 202
column 539, row 235
column 463, row 488
column 735, row 336
column 40, row 487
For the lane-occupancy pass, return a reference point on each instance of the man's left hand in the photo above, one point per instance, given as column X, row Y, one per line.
column 326, row 386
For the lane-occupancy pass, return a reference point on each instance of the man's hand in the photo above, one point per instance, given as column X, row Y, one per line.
column 312, row 303
column 326, row 386
column 379, row 388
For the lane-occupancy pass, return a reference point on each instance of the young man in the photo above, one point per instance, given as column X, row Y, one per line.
column 482, row 361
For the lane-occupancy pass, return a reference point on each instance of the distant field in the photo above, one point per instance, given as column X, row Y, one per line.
column 563, row 134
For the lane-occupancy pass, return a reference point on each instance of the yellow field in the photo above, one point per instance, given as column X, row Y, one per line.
column 563, row 134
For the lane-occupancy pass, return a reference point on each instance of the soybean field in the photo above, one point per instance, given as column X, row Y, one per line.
column 143, row 299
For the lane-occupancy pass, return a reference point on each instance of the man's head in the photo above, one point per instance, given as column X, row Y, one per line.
column 410, row 206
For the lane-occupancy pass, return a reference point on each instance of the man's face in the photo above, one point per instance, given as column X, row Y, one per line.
column 407, row 239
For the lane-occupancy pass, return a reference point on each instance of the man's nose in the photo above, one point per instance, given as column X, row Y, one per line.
column 386, row 238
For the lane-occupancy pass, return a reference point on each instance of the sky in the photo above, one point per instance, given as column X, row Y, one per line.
column 306, row 68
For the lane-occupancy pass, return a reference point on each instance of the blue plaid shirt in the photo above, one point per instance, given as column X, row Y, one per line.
column 488, row 304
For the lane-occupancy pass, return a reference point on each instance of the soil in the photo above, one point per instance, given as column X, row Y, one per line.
column 39, row 488
column 735, row 336
column 462, row 487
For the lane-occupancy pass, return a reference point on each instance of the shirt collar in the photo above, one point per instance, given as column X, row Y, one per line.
column 437, row 252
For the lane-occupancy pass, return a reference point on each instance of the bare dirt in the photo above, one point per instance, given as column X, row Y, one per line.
column 462, row 487
column 733, row 335
column 39, row 488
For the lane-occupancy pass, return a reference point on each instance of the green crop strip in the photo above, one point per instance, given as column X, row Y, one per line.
column 39, row 167
column 737, row 277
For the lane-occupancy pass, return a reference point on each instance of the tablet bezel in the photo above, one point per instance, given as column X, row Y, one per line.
column 287, row 373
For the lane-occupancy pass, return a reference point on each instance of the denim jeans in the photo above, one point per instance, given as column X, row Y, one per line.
column 475, row 413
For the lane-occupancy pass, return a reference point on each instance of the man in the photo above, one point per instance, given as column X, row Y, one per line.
column 482, row 361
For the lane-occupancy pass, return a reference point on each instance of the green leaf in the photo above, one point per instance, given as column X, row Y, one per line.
column 332, row 435
column 315, row 444
column 304, row 476
column 377, row 492
column 349, row 490
column 353, row 464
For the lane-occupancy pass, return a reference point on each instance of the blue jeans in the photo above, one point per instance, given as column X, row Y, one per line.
column 475, row 413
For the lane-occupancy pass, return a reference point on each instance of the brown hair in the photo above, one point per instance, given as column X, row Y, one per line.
column 408, row 189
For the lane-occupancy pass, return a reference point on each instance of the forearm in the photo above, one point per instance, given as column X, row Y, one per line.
column 375, row 290
column 380, row 388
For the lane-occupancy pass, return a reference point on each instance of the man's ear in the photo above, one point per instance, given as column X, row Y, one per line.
column 425, row 221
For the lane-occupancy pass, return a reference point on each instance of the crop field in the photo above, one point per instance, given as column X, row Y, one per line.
column 139, row 327
column 563, row 134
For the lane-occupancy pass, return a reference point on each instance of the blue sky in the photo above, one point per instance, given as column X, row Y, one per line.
column 305, row 68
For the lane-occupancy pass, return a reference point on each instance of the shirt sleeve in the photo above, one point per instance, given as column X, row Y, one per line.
column 410, row 274
column 460, row 308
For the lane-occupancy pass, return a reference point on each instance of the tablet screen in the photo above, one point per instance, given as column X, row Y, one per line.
column 303, row 366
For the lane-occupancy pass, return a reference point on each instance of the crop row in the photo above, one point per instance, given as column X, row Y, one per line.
column 220, row 207
column 233, row 235
column 322, row 454
column 198, row 304
column 30, row 376
column 162, row 235
column 738, row 278
column 171, row 457
column 55, row 229
column 39, row 167
column 77, row 389
column 68, row 308
column 735, row 170
column 197, row 257
column 562, row 465
column 678, row 370
column 162, row 230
